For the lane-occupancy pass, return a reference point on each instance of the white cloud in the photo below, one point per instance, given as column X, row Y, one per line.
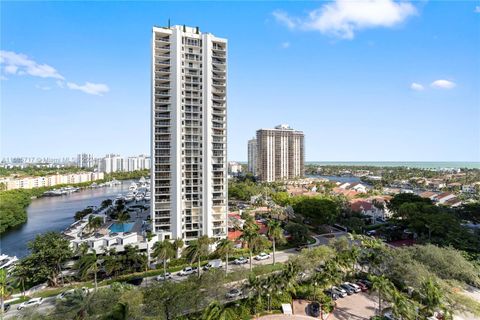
column 285, row 45
column 43, row 87
column 90, row 88
column 2, row 77
column 283, row 18
column 343, row 18
column 477, row 9
column 17, row 63
column 443, row 84
column 20, row 64
column 417, row 86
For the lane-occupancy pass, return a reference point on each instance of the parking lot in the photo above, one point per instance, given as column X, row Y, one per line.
column 358, row 306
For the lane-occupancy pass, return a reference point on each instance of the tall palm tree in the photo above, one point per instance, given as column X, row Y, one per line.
column 250, row 236
column 197, row 249
column 163, row 250
column 178, row 245
column 122, row 218
column 94, row 223
column 224, row 248
column 87, row 265
column 383, row 287
column 21, row 275
column 274, row 232
column 82, row 249
column 4, row 289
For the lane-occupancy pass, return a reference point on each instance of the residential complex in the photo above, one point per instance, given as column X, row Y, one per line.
column 189, row 138
column 280, row 153
column 115, row 163
column 252, row 156
column 11, row 183
column 85, row 160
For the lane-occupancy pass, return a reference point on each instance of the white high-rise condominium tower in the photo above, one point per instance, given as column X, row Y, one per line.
column 252, row 156
column 280, row 153
column 189, row 133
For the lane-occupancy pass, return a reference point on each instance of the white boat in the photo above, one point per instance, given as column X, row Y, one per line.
column 119, row 197
column 139, row 197
column 133, row 186
column 148, row 196
column 129, row 197
column 6, row 262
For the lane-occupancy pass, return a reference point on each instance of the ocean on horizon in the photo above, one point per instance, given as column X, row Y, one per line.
column 409, row 164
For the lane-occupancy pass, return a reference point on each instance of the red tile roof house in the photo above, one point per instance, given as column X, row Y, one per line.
column 444, row 197
column 428, row 194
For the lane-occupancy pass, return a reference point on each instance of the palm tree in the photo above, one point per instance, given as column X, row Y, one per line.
column 431, row 295
column 224, row 248
column 94, row 223
column 89, row 264
column 383, row 287
column 82, row 249
column 122, row 218
column 74, row 305
column 163, row 250
column 4, row 289
column 274, row 232
column 178, row 245
column 249, row 236
column 197, row 249
column 106, row 203
column 21, row 274
column 402, row 308
column 216, row 311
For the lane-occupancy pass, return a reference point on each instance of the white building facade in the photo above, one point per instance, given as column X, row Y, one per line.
column 189, row 138
column 252, row 156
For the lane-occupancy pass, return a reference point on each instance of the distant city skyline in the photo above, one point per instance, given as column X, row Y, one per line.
column 401, row 85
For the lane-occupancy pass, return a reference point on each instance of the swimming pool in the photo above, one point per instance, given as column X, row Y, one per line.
column 118, row 227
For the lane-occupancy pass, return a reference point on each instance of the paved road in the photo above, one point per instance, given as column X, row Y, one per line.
column 280, row 257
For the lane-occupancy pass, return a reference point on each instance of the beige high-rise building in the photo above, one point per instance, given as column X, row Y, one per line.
column 252, row 156
column 189, row 133
column 280, row 153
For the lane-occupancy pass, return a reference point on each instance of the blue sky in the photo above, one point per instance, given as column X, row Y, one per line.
column 378, row 81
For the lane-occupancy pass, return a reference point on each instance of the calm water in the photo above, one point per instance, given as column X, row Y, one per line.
column 54, row 214
column 337, row 178
column 409, row 164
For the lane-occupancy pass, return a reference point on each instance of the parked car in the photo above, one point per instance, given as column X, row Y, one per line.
column 136, row 281
column 355, row 288
column 240, row 260
column 163, row 277
column 64, row 294
column 215, row 264
column 362, row 286
column 234, row 293
column 314, row 309
column 34, row 302
column 186, row 271
column 262, row 256
column 347, row 288
column 339, row 291
column 366, row 282
column 332, row 294
column 6, row 307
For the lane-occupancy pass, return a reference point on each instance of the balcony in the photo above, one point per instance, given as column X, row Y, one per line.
column 162, row 71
